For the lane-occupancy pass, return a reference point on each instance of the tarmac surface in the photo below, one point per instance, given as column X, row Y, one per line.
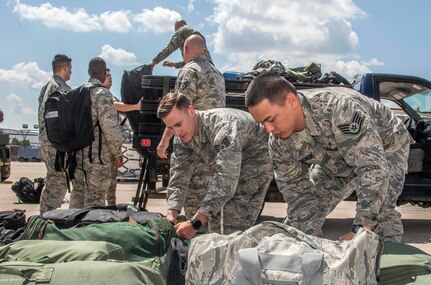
column 416, row 220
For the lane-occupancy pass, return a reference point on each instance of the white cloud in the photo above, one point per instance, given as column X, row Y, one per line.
column 348, row 69
column 117, row 56
column 159, row 20
column 26, row 73
column 190, row 6
column 18, row 107
column 294, row 32
column 77, row 21
column 373, row 62
column 116, row 21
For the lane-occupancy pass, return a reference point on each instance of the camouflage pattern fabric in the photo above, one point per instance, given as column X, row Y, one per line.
column 55, row 183
column 177, row 42
column 357, row 144
column 229, row 158
column 204, row 86
column 111, row 196
column 202, row 83
column 98, row 172
column 216, row 259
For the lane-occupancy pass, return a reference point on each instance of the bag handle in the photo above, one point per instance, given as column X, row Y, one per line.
column 252, row 263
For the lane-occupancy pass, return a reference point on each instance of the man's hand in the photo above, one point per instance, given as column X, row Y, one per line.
column 118, row 162
column 172, row 216
column 162, row 149
column 168, row 63
column 347, row 236
column 350, row 235
column 185, row 230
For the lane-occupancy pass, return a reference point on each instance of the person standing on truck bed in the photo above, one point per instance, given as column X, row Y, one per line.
column 55, row 184
column 228, row 151
column 199, row 81
column 326, row 143
column 182, row 32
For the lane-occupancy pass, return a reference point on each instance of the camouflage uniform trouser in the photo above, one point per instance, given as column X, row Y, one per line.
column 240, row 212
column 55, row 183
column 111, row 197
column 331, row 191
column 97, row 178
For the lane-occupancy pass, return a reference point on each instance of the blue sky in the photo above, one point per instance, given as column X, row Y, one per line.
column 347, row 36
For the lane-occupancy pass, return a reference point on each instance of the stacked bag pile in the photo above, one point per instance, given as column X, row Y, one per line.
column 89, row 246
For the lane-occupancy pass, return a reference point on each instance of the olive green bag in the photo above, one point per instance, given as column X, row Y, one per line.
column 53, row 251
column 147, row 240
column 81, row 272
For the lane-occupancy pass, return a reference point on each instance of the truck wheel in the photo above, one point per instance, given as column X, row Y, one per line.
column 34, row 159
column 21, row 159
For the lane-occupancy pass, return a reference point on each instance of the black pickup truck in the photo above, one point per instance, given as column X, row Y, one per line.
column 409, row 97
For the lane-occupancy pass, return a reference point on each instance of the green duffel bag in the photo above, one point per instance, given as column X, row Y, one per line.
column 139, row 241
column 53, row 251
column 404, row 264
column 81, row 272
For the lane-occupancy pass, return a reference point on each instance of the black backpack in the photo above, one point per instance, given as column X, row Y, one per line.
column 69, row 125
column 26, row 192
column 12, row 225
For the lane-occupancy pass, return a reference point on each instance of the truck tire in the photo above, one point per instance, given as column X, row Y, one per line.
column 21, row 159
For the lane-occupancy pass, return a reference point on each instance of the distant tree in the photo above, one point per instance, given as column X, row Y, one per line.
column 15, row 141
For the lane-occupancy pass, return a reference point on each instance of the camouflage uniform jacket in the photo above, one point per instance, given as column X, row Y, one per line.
column 226, row 139
column 202, row 83
column 56, row 83
column 177, row 42
column 346, row 134
column 103, row 110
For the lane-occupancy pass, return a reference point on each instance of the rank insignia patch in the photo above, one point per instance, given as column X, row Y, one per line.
column 354, row 127
column 225, row 143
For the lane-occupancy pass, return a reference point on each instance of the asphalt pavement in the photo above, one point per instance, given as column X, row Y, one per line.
column 416, row 220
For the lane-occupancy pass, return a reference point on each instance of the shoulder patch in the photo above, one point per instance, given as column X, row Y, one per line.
column 225, row 143
column 354, row 127
column 184, row 85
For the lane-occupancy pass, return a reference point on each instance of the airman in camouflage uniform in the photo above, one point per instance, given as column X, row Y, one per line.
column 327, row 143
column 199, row 81
column 98, row 168
column 55, row 182
column 228, row 151
column 182, row 32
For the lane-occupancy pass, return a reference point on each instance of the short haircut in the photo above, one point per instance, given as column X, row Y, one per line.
column 59, row 61
column 171, row 100
column 270, row 86
column 179, row 24
column 96, row 67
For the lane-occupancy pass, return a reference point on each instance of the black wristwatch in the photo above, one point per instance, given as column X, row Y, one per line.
column 356, row 228
column 196, row 223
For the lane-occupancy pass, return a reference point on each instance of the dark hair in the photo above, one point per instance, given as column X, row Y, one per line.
column 171, row 100
column 59, row 61
column 97, row 68
column 269, row 86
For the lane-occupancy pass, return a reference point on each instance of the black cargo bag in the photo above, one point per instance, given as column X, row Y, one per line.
column 131, row 90
column 26, row 191
column 12, row 225
column 175, row 266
